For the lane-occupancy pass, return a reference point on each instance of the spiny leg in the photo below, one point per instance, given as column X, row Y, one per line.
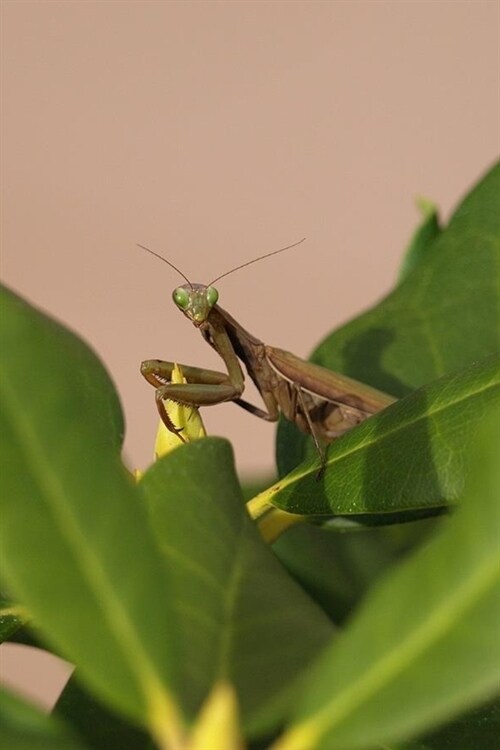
column 157, row 372
column 165, row 418
column 202, row 387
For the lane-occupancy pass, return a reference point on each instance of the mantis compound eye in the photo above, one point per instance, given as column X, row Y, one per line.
column 181, row 297
column 212, row 295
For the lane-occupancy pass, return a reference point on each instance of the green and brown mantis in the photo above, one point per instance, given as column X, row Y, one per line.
column 320, row 402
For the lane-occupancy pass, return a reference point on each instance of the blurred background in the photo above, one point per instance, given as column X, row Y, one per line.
column 213, row 132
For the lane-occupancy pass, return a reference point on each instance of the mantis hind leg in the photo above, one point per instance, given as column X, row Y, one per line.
column 305, row 410
column 297, row 405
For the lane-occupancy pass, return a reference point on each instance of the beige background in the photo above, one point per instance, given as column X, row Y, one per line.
column 214, row 132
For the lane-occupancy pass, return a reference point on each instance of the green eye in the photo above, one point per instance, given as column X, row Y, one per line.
column 212, row 295
column 181, row 297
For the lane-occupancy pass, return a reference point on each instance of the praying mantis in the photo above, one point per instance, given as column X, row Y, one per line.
column 322, row 403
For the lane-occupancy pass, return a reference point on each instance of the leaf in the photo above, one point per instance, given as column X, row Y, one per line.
column 95, row 724
column 336, row 569
column 12, row 618
column 23, row 727
column 27, row 636
column 441, row 318
column 76, row 546
column 479, row 729
column 21, row 325
column 252, row 485
column 243, row 619
column 422, row 241
column 424, row 645
column 410, row 457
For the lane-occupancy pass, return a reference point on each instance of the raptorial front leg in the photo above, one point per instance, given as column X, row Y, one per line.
column 158, row 372
column 270, row 416
column 204, row 387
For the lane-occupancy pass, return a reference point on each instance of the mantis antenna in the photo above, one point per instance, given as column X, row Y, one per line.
column 261, row 257
column 167, row 262
column 237, row 268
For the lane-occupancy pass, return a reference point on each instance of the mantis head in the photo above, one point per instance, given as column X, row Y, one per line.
column 195, row 301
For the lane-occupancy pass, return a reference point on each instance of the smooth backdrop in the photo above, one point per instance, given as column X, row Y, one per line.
column 216, row 131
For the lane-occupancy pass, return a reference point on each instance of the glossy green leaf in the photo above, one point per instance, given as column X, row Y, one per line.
column 12, row 618
column 424, row 645
column 75, row 542
column 90, row 382
column 241, row 615
column 442, row 317
column 408, row 458
column 23, row 727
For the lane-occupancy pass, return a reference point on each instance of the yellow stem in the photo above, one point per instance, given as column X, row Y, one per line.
column 259, row 505
column 274, row 523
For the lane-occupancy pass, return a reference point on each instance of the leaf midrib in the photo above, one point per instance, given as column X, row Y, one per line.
column 87, row 561
column 230, row 599
column 394, row 662
column 369, row 441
